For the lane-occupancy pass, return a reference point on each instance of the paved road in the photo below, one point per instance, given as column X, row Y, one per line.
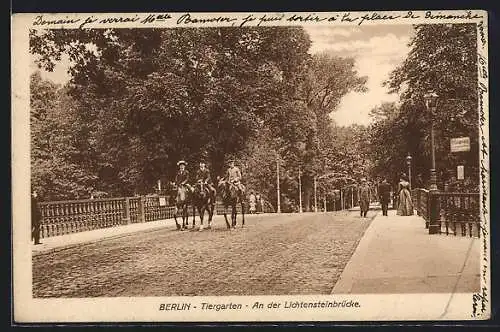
column 272, row 255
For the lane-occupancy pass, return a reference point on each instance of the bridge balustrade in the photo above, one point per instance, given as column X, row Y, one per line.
column 448, row 212
column 66, row 217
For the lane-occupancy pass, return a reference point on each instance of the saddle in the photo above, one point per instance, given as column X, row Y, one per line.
column 204, row 187
column 238, row 186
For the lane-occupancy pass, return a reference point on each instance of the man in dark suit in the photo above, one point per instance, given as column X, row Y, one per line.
column 36, row 218
column 384, row 191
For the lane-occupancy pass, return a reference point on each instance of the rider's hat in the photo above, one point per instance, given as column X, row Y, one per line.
column 181, row 162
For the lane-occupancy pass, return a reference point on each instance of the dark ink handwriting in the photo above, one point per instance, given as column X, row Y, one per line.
column 439, row 16
column 481, row 33
column 376, row 17
column 308, row 18
column 411, row 15
column 483, row 67
column 113, row 20
column 247, row 19
column 479, row 298
column 39, row 20
column 347, row 18
column 88, row 20
column 156, row 17
column 188, row 19
column 265, row 19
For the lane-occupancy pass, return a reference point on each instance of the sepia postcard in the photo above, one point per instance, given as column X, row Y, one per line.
column 250, row 167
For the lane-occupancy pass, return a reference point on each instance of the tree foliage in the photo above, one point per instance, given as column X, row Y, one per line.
column 442, row 59
column 145, row 98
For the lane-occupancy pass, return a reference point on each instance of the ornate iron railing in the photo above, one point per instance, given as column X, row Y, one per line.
column 420, row 198
column 66, row 217
column 448, row 212
column 459, row 213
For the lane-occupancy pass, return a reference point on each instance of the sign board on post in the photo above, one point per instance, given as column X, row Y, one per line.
column 460, row 144
column 460, row 172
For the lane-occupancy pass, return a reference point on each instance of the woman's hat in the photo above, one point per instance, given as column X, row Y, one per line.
column 181, row 162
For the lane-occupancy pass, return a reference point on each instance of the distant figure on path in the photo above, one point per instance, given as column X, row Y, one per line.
column 364, row 197
column 259, row 203
column 36, row 218
column 252, row 203
column 419, row 182
column 405, row 205
column 384, row 191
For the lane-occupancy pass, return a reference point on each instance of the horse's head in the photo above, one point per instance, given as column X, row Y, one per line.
column 182, row 192
column 221, row 182
column 200, row 188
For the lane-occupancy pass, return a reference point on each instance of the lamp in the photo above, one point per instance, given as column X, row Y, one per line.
column 431, row 99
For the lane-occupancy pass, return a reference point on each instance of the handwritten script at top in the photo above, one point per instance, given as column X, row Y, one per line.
column 235, row 20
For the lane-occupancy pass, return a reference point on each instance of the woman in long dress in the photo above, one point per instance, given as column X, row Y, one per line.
column 253, row 204
column 405, row 204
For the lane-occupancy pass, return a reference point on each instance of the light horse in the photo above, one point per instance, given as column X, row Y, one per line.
column 231, row 197
column 182, row 203
column 204, row 200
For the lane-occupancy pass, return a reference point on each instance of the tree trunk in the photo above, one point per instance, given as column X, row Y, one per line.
column 308, row 191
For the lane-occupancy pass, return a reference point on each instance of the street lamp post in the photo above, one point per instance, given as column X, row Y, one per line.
column 278, row 182
column 158, row 189
column 315, row 197
column 434, row 219
column 408, row 162
column 300, row 192
column 352, row 197
column 341, row 198
column 430, row 103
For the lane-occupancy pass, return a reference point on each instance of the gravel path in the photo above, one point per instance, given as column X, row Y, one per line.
column 272, row 255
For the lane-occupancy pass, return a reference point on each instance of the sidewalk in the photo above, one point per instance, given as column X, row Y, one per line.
column 55, row 243
column 397, row 255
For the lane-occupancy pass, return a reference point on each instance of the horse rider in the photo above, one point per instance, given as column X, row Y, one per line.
column 203, row 175
column 234, row 176
column 182, row 177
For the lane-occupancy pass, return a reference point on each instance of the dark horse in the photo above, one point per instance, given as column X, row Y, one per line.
column 231, row 197
column 181, row 203
column 204, row 200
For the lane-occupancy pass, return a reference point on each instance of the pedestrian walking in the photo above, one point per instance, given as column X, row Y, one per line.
column 364, row 195
column 419, row 181
column 252, row 202
column 384, row 191
column 36, row 218
column 405, row 204
column 258, row 201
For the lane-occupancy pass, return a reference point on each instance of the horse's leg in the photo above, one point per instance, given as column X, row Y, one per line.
column 209, row 216
column 176, row 211
column 194, row 212
column 185, row 222
column 201, row 211
column 225, row 217
column 234, row 213
column 242, row 214
column 210, row 209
